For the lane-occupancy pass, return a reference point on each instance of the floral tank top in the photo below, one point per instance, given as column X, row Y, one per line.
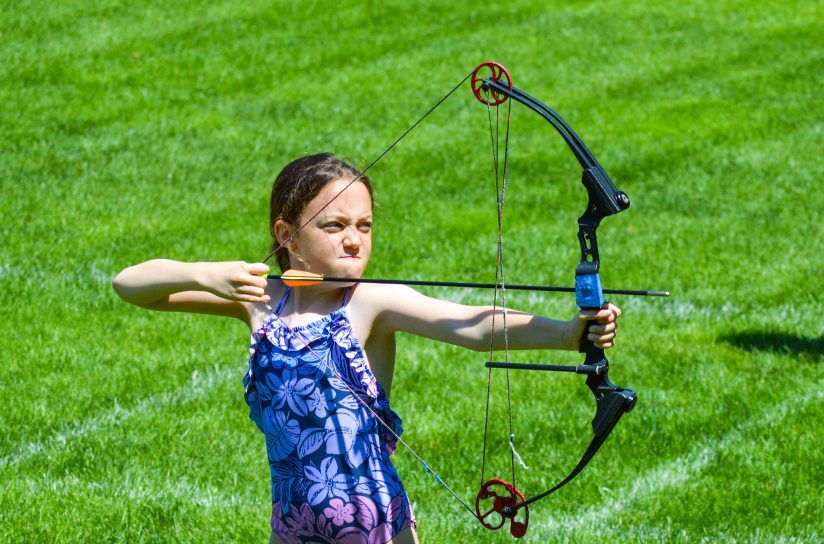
column 312, row 394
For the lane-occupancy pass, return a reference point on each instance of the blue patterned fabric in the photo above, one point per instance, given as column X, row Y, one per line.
column 308, row 389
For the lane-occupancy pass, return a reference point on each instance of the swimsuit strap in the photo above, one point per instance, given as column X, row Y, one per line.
column 282, row 301
column 346, row 297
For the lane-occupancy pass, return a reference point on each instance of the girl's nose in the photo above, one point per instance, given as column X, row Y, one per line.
column 352, row 238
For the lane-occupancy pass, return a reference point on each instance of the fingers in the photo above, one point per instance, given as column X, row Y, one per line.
column 257, row 269
column 602, row 341
column 253, row 281
column 250, row 285
column 602, row 328
column 252, row 274
column 252, row 293
column 251, row 298
column 603, row 332
column 609, row 313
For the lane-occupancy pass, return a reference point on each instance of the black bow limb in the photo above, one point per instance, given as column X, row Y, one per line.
column 611, row 401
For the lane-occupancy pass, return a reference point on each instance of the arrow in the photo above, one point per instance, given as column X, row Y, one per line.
column 300, row 278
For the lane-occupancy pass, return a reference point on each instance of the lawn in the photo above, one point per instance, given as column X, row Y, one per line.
column 131, row 131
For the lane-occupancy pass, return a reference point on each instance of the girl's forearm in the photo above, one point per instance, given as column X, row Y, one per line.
column 153, row 280
column 526, row 331
column 523, row 331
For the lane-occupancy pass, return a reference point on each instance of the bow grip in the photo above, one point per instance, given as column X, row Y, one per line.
column 594, row 355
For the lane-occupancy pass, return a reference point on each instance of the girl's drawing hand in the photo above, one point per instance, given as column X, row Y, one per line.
column 601, row 334
column 236, row 280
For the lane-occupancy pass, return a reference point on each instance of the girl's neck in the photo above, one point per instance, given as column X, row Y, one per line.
column 315, row 300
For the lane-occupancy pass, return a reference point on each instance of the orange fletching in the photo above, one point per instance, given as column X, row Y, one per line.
column 299, row 278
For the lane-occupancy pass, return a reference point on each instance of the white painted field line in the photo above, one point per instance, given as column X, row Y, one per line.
column 197, row 387
column 675, row 472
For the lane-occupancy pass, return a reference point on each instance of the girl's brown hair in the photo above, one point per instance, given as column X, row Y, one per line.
column 297, row 184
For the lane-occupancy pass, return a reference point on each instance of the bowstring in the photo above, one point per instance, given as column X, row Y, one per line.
column 505, row 178
column 331, row 368
column 362, row 173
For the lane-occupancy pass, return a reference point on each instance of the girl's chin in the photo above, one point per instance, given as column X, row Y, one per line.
column 349, row 268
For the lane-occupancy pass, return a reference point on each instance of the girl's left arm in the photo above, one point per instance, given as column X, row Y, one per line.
column 409, row 311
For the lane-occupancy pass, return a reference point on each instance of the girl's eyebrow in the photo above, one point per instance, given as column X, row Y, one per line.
column 343, row 217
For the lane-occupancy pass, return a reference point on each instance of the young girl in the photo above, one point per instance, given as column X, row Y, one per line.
column 322, row 357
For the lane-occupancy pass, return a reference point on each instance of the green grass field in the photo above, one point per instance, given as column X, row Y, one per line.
column 130, row 132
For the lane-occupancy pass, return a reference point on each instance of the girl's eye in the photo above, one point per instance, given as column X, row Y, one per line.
column 334, row 226
column 365, row 227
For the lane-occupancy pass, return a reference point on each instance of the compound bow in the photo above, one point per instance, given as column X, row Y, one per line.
column 499, row 501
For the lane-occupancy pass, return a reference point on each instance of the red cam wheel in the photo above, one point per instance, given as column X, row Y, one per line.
column 493, row 498
column 498, row 74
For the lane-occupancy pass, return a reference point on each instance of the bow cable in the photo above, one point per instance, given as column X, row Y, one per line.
column 505, row 179
column 501, row 182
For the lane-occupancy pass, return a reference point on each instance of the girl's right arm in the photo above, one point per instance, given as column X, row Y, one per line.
column 222, row 288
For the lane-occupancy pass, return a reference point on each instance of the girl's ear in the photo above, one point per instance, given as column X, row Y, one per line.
column 285, row 234
column 283, row 231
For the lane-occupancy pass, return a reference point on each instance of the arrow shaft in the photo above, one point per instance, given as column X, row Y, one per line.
column 471, row 285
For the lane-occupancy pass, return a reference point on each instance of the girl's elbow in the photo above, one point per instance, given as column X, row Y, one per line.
column 119, row 288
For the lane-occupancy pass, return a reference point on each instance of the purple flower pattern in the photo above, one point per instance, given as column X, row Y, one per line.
column 332, row 479
column 355, row 521
column 339, row 512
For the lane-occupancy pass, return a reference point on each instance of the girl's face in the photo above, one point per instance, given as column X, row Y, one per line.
column 338, row 242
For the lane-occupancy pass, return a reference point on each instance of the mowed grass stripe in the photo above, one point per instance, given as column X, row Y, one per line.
column 133, row 489
column 199, row 386
column 678, row 472
column 578, row 95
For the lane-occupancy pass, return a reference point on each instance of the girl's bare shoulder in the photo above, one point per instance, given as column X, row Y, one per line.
column 381, row 297
column 378, row 305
